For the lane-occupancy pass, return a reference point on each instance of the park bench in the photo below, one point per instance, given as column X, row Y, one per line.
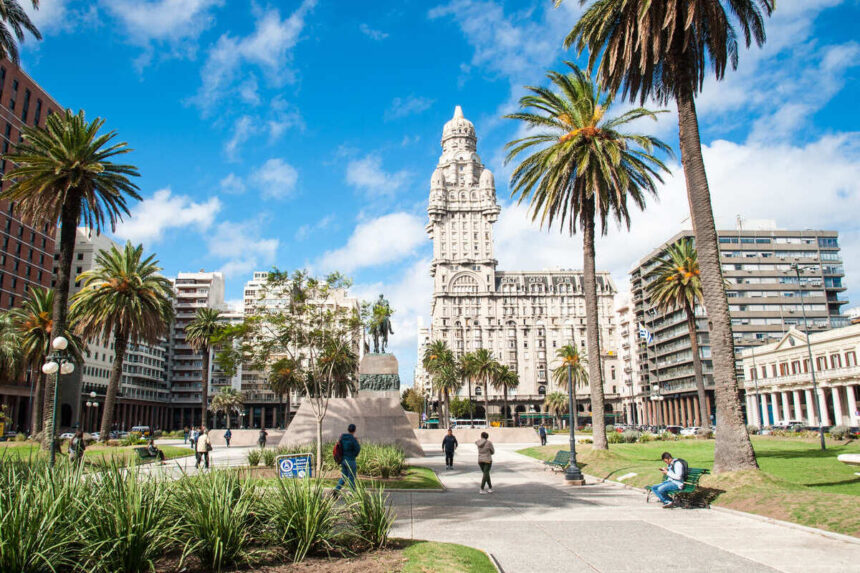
column 143, row 453
column 559, row 462
column 685, row 497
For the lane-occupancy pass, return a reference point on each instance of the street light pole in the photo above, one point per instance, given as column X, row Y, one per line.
column 817, row 401
column 572, row 474
column 58, row 363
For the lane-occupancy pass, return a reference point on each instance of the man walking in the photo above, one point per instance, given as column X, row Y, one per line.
column 349, row 450
column 227, row 436
column 263, row 437
column 542, row 434
column 449, row 444
column 676, row 473
column 485, row 461
column 203, row 447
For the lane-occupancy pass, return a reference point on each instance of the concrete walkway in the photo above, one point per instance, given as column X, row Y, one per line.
column 533, row 522
column 220, row 457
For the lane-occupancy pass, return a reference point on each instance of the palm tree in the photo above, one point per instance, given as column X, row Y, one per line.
column 339, row 362
column 483, row 366
column 676, row 284
column 570, row 356
column 63, row 173
column 464, row 365
column 14, row 20
column 556, row 403
column 447, row 380
column 11, row 353
column 435, row 356
column 226, row 401
column 663, row 50
column 284, row 377
column 123, row 296
column 199, row 334
column 505, row 379
column 582, row 168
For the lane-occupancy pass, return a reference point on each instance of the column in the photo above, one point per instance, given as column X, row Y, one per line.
column 798, row 412
column 822, row 401
column 708, row 406
column 751, row 408
column 810, row 408
column 774, row 408
column 852, row 406
column 837, row 406
column 786, row 411
column 664, row 412
column 762, row 403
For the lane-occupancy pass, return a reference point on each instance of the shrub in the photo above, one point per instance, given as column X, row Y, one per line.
column 254, row 457
column 381, row 460
column 839, row 432
column 301, row 517
column 610, row 428
column 132, row 439
column 614, row 438
column 371, row 516
column 113, row 443
column 752, row 429
column 630, row 436
column 218, row 513
column 22, row 437
column 645, row 437
column 587, row 441
column 704, row 433
column 268, row 457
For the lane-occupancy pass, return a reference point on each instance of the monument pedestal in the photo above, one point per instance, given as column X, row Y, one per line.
column 379, row 376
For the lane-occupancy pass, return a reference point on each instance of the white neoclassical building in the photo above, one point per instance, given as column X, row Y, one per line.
column 778, row 379
column 523, row 317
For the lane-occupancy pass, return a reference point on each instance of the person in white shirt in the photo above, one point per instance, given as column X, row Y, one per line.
column 676, row 472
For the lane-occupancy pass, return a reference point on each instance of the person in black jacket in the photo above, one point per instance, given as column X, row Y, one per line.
column 449, row 444
column 348, row 465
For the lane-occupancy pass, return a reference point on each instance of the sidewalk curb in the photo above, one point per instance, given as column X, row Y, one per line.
column 494, row 561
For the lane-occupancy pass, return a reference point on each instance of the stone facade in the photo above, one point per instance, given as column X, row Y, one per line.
column 523, row 317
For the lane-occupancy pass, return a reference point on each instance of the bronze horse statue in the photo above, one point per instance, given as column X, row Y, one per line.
column 380, row 328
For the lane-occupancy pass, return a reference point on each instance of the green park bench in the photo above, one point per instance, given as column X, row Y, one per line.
column 559, row 462
column 685, row 497
column 143, row 454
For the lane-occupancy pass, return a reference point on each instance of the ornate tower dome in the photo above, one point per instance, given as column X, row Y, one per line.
column 459, row 127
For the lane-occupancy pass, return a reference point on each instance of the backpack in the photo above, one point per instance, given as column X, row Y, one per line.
column 685, row 469
column 337, row 452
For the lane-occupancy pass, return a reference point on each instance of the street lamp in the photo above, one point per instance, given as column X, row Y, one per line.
column 57, row 363
column 91, row 403
column 572, row 474
column 817, row 401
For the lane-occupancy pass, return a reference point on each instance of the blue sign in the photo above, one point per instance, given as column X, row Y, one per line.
column 295, row 466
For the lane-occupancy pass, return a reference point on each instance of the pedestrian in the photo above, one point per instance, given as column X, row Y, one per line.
column 263, row 436
column 193, row 438
column 77, row 447
column 203, row 447
column 449, row 444
column 154, row 452
column 675, row 472
column 185, row 439
column 349, row 449
column 542, row 433
column 485, row 460
column 227, row 436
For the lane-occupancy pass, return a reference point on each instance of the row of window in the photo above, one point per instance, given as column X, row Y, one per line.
column 831, row 362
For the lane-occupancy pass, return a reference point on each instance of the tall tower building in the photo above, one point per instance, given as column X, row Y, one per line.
column 523, row 317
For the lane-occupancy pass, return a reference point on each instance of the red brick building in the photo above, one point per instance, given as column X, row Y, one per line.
column 26, row 250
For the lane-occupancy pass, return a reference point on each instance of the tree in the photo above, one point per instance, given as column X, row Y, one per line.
column 124, row 296
column 201, row 333
column 581, row 167
column 226, row 401
column 412, row 401
column 461, row 407
column 339, row 361
column 63, row 173
column 505, row 379
column 14, row 20
column 556, row 403
column 676, row 284
column 436, row 356
column 283, row 379
column 465, row 364
column 663, row 50
column 447, row 380
column 483, row 367
column 11, row 354
column 570, row 356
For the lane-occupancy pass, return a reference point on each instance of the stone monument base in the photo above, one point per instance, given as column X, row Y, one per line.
column 378, row 419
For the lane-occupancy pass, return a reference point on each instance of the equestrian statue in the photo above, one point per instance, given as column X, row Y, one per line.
column 380, row 325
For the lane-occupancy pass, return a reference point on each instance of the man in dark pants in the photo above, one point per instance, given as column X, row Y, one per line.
column 348, row 465
column 542, row 434
column 449, row 444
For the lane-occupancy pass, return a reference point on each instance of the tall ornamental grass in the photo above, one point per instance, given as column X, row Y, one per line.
column 301, row 518
column 371, row 516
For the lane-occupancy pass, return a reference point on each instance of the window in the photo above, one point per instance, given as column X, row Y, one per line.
column 850, row 358
column 80, row 256
column 828, row 242
column 38, row 114
column 835, row 361
column 26, row 107
column 821, row 363
column 753, row 374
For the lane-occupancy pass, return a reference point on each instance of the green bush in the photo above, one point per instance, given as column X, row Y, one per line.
column 254, row 457
column 268, row 457
column 133, row 439
column 753, row 429
column 614, row 438
column 610, row 428
column 22, row 437
column 630, row 436
column 381, row 460
column 301, row 517
column 645, row 437
column 705, row 434
column 371, row 515
column 839, row 432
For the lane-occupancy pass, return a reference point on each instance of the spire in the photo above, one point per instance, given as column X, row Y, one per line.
column 458, row 112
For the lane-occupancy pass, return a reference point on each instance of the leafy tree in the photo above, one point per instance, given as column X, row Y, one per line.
column 505, row 379
column 11, row 355
column 676, row 284
column 465, row 364
column 412, row 401
column 124, row 296
column 63, row 172
column 447, row 380
column 201, row 333
column 556, row 403
column 664, row 50
column 339, row 361
column 461, row 407
column 14, row 21
column 437, row 356
column 570, row 356
column 284, row 377
column 581, row 169
column 227, row 401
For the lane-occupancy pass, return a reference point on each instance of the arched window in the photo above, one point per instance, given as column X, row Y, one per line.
column 464, row 284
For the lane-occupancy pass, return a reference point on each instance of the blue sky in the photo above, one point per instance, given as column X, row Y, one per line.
column 304, row 134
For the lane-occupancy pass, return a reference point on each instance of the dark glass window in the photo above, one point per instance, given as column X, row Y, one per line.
column 38, row 114
column 26, row 107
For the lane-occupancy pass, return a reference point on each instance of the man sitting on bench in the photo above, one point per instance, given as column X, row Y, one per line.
column 676, row 472
column 154, row 452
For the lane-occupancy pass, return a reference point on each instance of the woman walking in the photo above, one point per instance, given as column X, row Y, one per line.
column 485, row 460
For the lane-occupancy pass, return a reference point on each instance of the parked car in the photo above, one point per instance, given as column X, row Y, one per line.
column 690, row 431
column 674, row 429
column 67, row 436
column 144, row 431
column 96, row 435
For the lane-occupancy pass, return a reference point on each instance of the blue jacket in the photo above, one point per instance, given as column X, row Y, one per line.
column 351, row 447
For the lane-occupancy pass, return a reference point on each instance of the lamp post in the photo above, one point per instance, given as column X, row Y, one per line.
column 57, row 363
column 91, row 403
column 817, row 401
column 572, row 474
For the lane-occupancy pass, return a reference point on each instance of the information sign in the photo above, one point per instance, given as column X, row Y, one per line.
column 295, row 465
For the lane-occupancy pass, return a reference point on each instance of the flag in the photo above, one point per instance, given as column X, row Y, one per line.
column 645, row 333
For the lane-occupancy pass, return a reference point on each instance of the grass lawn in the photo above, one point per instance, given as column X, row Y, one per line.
column 797, row 482
column 432, row 557
column 93, row 454
column 415, row 477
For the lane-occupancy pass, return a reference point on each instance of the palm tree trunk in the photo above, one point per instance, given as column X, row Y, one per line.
column 38, row 396
column 204, row 387
column 447, row 409
column 732, row 449
column 280, row 410
column 68, row 233
column 471, row 415
column 592, row 328
column 505, row 407
column 487, row 400
column 697, row 365
column 228, row 419
column 287, row 411
column 119, row 346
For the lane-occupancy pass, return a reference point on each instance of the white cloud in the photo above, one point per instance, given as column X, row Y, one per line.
column 268, row 47
column 410, row 105
column 371, row 33
column 367, row 175
column 232, row 184
column 243, row 247
column 152, row 217
column 276, row 178
column 383, row 240
column 243, row 129
column 307, row 230
column 54, row 16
